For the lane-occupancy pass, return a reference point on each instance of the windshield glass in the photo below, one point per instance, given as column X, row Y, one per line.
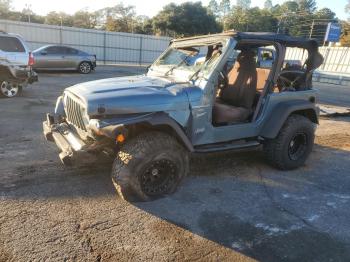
column 187, row 62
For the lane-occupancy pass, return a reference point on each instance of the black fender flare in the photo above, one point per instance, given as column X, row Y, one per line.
column 279, row 114
column 154, row 119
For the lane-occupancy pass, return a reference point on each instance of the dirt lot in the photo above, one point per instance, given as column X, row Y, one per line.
column 232, row 207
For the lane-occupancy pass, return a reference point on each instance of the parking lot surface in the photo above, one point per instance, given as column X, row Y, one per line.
column 232, row 206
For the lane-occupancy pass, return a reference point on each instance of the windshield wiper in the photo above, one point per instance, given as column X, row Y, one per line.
column 198, row 70
column 175, row 66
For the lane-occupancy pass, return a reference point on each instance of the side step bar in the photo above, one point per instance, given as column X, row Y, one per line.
column 239, row 145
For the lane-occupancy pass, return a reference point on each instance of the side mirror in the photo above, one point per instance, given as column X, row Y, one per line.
column 147, row 68
column 43, row 52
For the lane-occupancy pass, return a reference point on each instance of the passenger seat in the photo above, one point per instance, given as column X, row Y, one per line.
column 236, row 100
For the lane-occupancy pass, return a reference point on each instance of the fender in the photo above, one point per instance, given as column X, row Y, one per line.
column 279, row 114
column 111, row 127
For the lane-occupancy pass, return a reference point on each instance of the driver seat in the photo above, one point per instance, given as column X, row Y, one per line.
column 236, row 100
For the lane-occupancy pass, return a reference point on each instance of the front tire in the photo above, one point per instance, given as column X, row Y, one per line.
column 85, row 67
column 149, row 166
column 9, row 89
column 293, row 145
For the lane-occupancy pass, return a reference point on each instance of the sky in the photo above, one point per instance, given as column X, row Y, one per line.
column 144, row 7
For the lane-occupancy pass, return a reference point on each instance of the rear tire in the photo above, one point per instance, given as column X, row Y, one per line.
column 293, row 145
column 85, row 67
column 149, row 166
column 9, row 89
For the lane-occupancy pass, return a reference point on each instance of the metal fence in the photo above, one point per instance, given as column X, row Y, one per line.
column 109, row 47
column 336, row 59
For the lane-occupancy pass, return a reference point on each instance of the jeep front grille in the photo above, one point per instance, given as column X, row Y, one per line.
column 74, row 113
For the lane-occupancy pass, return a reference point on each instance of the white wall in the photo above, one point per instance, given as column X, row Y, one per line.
column 109, row 47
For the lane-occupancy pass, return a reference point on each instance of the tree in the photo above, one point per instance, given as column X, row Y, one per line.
column 268, row 4
column 345, row 37
column 214, row 9
column 28, row 12
column 118, row 18
column 185, row 19
column 254, row 19
column 244, row 4
column 84, row 19
column 5, row 6
column 61, row 18
column 307, row 6
column 224, row 7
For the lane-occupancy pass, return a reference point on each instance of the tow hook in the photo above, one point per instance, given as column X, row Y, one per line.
column 50, row 119
column 65, row 158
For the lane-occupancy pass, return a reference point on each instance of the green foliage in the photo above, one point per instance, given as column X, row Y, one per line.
column 253, row 19
column 58, row 18
column 244, row 4
column 268, row 4
column 5, row 5
column 213, row 8
column 307, row 6
column 117, row 18
column 297, row 17
column 84, row 19
column 224, row 7
column 185, row 19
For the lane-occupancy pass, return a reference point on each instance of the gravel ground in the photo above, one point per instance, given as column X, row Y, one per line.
column 232, row 207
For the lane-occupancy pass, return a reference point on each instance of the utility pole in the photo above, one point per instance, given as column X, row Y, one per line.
column 28, row 10
column 312, row 28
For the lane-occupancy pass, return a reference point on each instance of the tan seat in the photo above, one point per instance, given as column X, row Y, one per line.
column 262, row 76
column 236, row 100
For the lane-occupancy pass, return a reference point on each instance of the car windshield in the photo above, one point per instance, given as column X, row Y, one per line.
column 185, row 63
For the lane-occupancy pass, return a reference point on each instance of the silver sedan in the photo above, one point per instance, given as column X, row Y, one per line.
column 58, row 57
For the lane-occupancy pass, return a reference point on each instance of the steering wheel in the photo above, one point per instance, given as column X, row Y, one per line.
column 286, row 83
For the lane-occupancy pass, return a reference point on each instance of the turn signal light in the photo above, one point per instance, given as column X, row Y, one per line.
column 120, row 138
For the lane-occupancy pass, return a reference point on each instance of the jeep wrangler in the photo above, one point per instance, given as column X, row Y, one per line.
column 203, row 94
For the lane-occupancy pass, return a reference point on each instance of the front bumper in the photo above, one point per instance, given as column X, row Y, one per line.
column 71, row 146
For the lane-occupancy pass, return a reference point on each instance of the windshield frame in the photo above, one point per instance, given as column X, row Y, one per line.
column 180, row 73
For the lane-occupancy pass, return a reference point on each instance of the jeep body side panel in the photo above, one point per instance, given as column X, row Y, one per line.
column 281, row 105
column 277, row 107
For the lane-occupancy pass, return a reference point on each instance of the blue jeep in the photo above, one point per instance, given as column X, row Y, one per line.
column 192, row 100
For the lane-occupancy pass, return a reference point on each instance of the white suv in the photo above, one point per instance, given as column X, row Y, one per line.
column 14, row 50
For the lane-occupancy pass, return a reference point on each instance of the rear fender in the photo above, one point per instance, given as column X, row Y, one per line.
column 279, row 114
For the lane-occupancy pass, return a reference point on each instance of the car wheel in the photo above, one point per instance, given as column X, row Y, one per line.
column 85, row 68
column 149, row 166
column 9, row 89
column 292, row 146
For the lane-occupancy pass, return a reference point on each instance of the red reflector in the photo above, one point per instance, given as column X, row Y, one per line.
column 31, row 59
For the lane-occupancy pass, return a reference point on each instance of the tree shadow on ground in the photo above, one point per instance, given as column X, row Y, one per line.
column 266, row 214
column 235, row 200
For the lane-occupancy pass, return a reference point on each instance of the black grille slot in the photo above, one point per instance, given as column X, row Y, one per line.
column 74, row 113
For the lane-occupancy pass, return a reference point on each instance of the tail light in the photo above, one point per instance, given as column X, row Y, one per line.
column 31, row 59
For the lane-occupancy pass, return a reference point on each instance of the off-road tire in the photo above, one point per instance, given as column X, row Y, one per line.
column 142, row 153
column 278, row 151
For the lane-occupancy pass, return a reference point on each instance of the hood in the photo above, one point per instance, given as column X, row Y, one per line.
column 133, row 94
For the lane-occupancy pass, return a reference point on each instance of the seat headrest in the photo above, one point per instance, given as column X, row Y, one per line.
column 246, row 60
